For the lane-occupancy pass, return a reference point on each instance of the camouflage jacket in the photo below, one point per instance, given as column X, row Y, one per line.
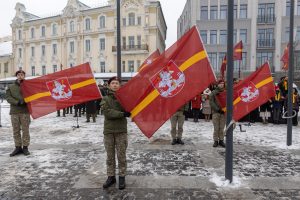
column 13, row 96
column 114, row 120
column 215, row 107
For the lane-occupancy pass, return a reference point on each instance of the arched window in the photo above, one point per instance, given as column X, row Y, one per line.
column 131, row 18
column 87, row 24
column 54, row 29
column 43, row 31
column 32, row 32
column 71, row 26
column 102, row 22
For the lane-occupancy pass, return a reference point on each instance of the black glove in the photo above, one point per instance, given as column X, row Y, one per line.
column 21, row 103
column 221, row 111
column 126, row 114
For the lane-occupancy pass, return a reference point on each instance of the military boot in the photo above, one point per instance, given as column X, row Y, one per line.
column 121, row 182
column 17, row 151
column 25, row 151
column 216, row 143
column 174, row 141
column 109, row 182
column 221, row 143
column 179, row 141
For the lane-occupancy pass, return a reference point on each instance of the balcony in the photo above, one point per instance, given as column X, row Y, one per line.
column 266, row 19
column 265, row 44
column 131, row 48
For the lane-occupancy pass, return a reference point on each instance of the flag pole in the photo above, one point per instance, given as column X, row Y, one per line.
column 239, row 69
column 290, row 76
column 229, row 97
column 119, row 41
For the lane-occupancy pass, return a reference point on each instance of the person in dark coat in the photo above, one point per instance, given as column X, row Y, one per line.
column 296, row 100
column 91, row 110
column 277, row 105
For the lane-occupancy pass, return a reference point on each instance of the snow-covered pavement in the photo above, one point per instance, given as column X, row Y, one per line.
column 69, row 163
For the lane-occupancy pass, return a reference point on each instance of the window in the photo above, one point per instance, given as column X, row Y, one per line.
column 243, row 11
column 235, row 12
column 20, row 53
column 54, row 29
column 72, row 47
column 223, row 37
column 223, row 12
column 262, row 57
column 139, row 41
column 234, row 36
column 139, row 20
column 43, row 31
column 19, row 34
column 32, row 32
column 102, row 44
column 87, row 24
column 131, row 65
column 221, row 57
column 102, row 67
column 213, row 37
column 243, row 35
column 266, row 13
column 214, row 12
column 297, row 60
column 131, row 18
column 123, row 66
column 43, row 70
column 32, row 70
column 43, row 50
column 54, row 68
column 265, row 37
column 124, row 42
column 213, row 60
column 203, row 35
column 288, row 8
column 54, row 49
column 72, row 29
column 131, row 42
column 244, row 60
column 298, row 7
column 287, row 34
column 204, row 13
column 298, row 34
column 124, row 21
column 102, row 22
column 32, row 51
column 5, row 67
column 87, row 45
column 138, row 63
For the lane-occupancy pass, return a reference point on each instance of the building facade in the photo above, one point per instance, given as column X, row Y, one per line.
column 81, row 33
column 262, row 25
column 6, row 57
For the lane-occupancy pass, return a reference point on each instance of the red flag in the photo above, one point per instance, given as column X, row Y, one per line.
column 223, row 68
column 158, row 91
column 237, row 55
column 238, row 51
column 250, row 93
column 149, row 60
column 285, row 58
column 59, row 90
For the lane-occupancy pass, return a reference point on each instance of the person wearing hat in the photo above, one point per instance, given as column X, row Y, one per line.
column 206, row 109
column 20, row 117
column 115, row 134
column 218, row 115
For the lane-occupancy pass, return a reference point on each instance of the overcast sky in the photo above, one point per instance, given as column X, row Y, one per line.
column 171, row 12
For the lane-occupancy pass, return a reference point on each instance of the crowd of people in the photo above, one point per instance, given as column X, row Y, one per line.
column 204, row 105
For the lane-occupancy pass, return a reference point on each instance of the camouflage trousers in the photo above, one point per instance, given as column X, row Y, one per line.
column 21, row 122
column 177, row 119
column 116, row 142
column 219, row 124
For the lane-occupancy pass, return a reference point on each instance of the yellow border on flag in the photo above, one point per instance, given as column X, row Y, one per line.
column 258, row 85
column 47, row 94
column 152, row 95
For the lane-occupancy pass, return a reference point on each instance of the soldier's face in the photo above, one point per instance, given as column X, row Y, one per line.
column 20, row 76
column 114, row 85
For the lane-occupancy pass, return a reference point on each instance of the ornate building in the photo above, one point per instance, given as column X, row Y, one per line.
column 87, row 34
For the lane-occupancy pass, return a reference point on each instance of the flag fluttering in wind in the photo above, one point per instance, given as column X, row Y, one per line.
column 237, row 55
column 285, row 58
column 59, row 90
column 250, row 93
column 149, row 60
column 177, row 75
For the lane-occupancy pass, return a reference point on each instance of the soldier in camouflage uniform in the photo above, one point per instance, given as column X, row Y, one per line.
column 20, row 117
column 218, row 116
column 178, row 118
column 115, row 134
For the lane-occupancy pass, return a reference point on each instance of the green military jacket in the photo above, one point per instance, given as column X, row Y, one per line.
column 13, row 96
column 114, row 120
column 215, row 107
